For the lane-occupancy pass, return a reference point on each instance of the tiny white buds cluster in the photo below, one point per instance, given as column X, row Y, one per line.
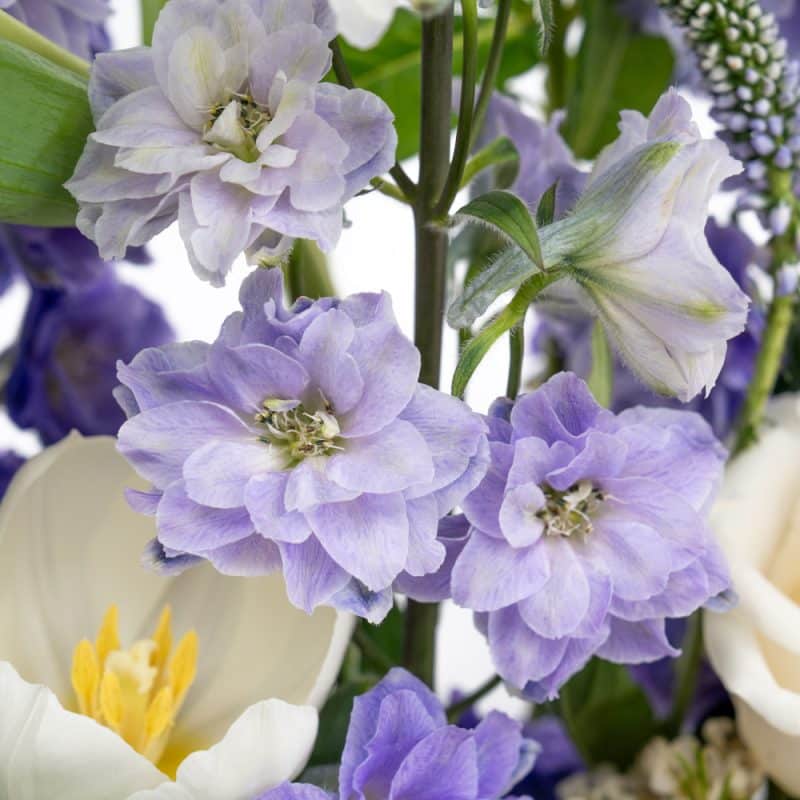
column 754, row 88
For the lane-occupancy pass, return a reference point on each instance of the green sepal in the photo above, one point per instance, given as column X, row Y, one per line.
column 601, row 378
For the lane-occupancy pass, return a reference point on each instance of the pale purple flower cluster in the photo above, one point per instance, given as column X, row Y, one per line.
column 300, row 440
column 588, row 532
column 225, row 126
column 400, row 747
column 76, row 25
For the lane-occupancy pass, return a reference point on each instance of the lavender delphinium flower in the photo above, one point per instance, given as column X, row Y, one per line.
column 76, row 25
column 249, row 149
column 64, row 372
column 10, row 462
column 566, row 334
column 400, row 747
column 588, row 532
column 300, row 439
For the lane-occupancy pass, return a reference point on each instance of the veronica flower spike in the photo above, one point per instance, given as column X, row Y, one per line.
column 300, row 440
column 118, row 684
column 588, row 533
column 249, row 148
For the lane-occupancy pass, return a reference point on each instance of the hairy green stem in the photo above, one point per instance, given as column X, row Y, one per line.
column 492, row 66
column 431, row 273
column 768, row 366
column 458, row 708
column 469, row 79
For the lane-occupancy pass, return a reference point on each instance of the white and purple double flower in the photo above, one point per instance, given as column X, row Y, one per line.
column 225, row 126
column 400, row 747
column 587, row 533
column 300, row 440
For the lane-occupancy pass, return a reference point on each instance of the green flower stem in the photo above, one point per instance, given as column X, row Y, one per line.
column 12, row 30
column 345, row 78
column 768, row 365
column 492, row 66
column 687, row 673
column 469, row 78
column 516, row 346
column 431, row 274
column 457, row 709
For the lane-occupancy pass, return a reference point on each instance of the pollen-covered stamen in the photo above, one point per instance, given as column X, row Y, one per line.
column 301, row 433
column 137, row 692
column 568, row 513
column 234, row 125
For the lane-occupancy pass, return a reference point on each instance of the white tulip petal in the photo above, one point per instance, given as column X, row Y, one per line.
column 47, row 752
column 270, row 743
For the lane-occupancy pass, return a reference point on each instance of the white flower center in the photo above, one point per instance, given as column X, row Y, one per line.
column 137, row 692
column 298, row 432
column 568, row 513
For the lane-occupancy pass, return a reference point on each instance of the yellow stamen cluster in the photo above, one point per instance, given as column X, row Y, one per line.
column 138, row 692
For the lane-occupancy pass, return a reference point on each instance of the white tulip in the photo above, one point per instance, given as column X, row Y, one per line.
column 755, row 648
column 363, row 22
column 70, row 549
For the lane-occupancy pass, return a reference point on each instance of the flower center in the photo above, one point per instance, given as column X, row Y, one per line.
column 570, row 512
column 299, row 432
column 137, row 692
column 234, row 125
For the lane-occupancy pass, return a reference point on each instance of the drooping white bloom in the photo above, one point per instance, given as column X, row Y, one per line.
column 636, row 254
column 70, row 551
column 755, row 648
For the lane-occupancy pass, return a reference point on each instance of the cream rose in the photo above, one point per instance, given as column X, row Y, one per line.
column 755, row 648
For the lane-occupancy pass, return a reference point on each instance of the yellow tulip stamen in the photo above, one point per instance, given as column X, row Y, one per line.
column 137, row 692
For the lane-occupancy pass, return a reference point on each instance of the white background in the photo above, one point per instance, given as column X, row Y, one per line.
column 375, row 253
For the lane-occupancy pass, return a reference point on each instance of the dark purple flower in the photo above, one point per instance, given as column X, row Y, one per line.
column 301, row 439
column 65, row 369
column 54, row 258
column 588, row 532
column 76, row 25
column 400, row 747
column 567, row 332
column 10, row 462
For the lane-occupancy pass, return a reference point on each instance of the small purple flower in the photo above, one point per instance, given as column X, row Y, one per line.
column 64, row 374
column 300, row 439
column 54, row 258
column 250, row 149
column 10, row 462
column 76, row 25
column 400, row 747
column 588, row 532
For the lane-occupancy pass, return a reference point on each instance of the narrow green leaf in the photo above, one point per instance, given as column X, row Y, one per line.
column 546, row 210
column 150, row 11
column 12, row 30
column 476, row 349
column 45, row 125
column 500, row 153
column 626, row 69
column 506, row 271
column 392, row 68
column 601, row 378
column 600, row 698
column 308, row 272
column 506, row 214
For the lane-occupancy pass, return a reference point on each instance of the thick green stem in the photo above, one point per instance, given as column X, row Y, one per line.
column 687, row 672
column 768, row 365
column 516, row 346
column 466, row 703
column 431, row 270
column 469, row 78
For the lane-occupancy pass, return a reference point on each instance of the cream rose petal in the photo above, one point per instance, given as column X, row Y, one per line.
column 48, row 752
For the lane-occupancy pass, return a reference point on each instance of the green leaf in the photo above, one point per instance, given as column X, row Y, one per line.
column 45, row 125
column 392, row 68
column 499, row 153
column 616, row 69
column 601, row 698
column 150, row 11
column 507, row 215
column 12, row 30
column 334, row 720
column 546, row 210
column 308, row 272
column 601, row 378
column 388, row 638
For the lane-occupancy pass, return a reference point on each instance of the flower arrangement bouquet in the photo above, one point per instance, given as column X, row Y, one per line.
column 223, row 562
